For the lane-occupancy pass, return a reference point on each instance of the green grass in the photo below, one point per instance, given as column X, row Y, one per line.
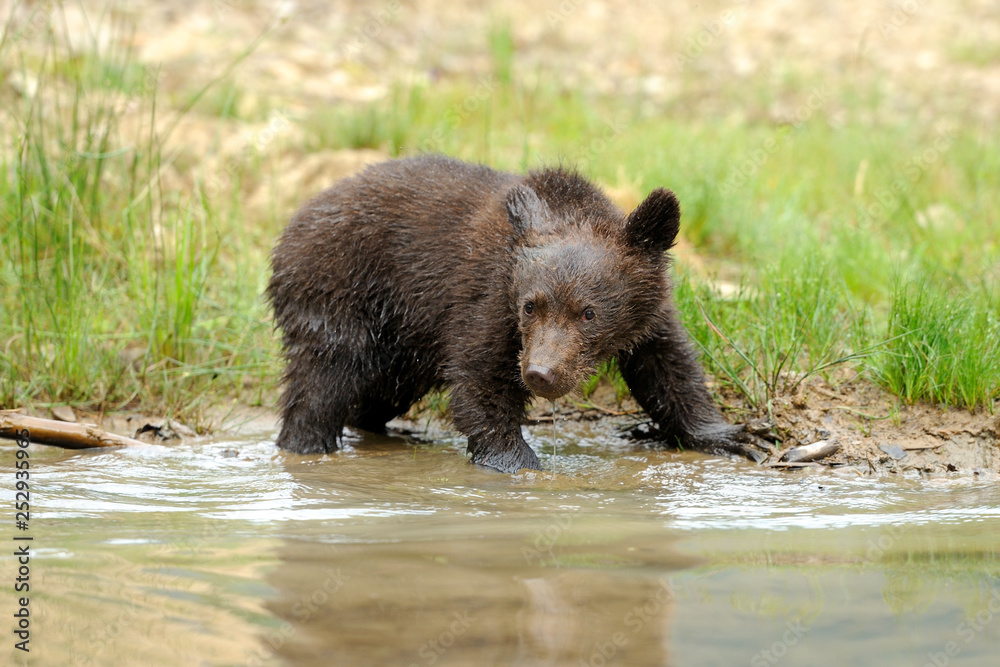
column 945, row 344
column 502, row 50
column 117, row 293
column 859, row 244
column 794, row 321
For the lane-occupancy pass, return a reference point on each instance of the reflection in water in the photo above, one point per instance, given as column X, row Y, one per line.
column 422, row 607
column 396, row 552
column 474, row 568
column 438, row 597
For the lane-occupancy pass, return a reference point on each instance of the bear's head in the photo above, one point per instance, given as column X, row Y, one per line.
column 588, row 282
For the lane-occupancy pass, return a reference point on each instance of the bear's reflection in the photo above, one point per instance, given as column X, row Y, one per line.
column 407, row 559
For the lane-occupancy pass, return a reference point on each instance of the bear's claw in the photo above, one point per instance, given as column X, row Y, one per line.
column 508, row 460
column 730, row 439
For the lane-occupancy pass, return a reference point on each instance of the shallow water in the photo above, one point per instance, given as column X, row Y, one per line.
column 397, row 552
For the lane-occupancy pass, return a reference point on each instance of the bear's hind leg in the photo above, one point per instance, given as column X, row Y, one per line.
column 397, row 380
column 372, row 415
column 319, row 392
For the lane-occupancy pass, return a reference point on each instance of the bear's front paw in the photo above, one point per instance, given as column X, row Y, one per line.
column 306, row 440
column 730, row 439
column 505, row 459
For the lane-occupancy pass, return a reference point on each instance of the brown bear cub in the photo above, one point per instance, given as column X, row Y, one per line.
column 428, row 272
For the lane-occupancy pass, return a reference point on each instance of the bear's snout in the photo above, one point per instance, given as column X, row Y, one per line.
column 540, row 379
column 552, row 361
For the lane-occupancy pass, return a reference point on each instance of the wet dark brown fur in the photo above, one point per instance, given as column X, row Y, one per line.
column 430, row 272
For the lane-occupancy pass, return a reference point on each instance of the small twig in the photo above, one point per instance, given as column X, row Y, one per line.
column 793, row 464
column 914, row 448
column 856, row 412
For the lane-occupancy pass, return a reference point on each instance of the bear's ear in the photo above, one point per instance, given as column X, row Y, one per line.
column 524, row 209
column 654, row 223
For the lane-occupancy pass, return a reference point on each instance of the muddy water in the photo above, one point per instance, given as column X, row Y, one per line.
column 397, row 552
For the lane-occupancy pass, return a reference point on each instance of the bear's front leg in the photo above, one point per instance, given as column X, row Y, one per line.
column 666, row 379
column 491, row 418
column 488, row 397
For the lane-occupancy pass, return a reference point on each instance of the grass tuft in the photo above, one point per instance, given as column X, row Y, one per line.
column 116, row 292
column 944, row 344
column 793, row 322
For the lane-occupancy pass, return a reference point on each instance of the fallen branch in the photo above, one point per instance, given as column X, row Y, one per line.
column 59, row 434
column 793, row 464
column 813, row 452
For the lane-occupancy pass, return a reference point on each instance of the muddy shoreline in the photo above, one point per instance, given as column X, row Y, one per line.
column 874, row 433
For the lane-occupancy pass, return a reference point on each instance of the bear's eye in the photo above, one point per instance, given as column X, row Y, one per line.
column 588, row 314
column 529, row 308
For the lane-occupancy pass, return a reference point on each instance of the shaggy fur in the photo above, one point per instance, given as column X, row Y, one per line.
column 429, row 272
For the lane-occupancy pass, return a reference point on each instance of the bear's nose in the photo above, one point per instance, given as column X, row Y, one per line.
column 539, row 378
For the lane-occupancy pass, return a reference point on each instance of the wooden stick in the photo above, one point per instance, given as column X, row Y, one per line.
column 793, row 464
column 813, row 452
column 59, row 434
